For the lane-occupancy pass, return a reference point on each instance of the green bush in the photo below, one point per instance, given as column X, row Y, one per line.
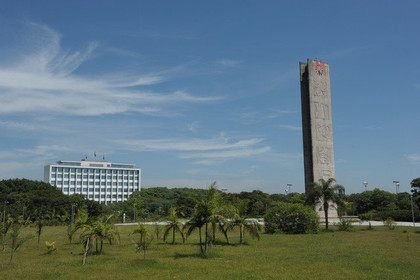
column 400, row 215
column 291, row 218
column 396, row 215
column 390, row 223
column 344, row 225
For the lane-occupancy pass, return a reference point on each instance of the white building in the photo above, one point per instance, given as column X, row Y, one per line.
column 97, row 180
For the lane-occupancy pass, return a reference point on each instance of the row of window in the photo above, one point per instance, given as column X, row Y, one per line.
column 85, row 183
column 90, row 170
column 97, row 196
column 103, row 177
column 85, row 190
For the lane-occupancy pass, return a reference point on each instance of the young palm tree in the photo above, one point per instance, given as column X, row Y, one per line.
column 98, row 231
column 219, row 211
column 145, row 238
column 200, row 219
column 174, row 225
column 324, row 192
column 251, row 226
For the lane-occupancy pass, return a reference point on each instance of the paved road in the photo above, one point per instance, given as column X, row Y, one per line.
column 331, row 221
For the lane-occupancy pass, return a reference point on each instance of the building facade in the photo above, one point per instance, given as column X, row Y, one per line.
column 97, row 180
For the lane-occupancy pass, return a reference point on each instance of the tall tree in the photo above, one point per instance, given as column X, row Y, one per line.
column 324, row 192
column 415, row 186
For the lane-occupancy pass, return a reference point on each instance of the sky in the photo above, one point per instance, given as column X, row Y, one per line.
column 199, row 91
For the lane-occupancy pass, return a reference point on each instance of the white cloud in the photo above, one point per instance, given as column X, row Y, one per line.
column 44, row 79
column 173, row 144
column 207, row 151
column 291, row 127
column 413, row 157
column 229, row 154
column 253, row 117
column 229, row 62
column 193, row 127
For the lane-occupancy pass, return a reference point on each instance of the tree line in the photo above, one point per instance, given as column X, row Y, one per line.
column 34, row 201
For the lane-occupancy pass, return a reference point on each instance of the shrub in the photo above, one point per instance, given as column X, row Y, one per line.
column 291, row 218
column 344, row 225
column 398, row 215
column 390, row 223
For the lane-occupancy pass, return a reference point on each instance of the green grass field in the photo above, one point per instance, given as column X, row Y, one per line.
column 362, row 254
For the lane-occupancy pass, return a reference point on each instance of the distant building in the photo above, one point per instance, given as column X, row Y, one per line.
column 97, row 180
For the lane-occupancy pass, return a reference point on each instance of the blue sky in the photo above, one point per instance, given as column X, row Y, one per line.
column 194, row 92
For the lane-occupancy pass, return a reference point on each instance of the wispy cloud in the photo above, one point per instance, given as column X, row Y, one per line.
column 173, row 144
column 206, row 151
column 193, row 127
column 413, row 157
column 290, row 127
column 253, row 117
column 45, row 80
column 229, row 62
column 238, row 153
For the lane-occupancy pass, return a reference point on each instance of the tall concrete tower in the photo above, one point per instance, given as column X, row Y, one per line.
column 318, row 144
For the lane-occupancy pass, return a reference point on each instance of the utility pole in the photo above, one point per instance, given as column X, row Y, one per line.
column 365, row 183
column 412, row 211
column 397, row 186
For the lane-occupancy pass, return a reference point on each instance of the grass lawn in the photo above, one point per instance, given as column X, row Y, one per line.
column 362, row 254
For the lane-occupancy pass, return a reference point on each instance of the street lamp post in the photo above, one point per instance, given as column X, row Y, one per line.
column 397, row 186
column 412, row 210
column 288, row 188
column 365, row 183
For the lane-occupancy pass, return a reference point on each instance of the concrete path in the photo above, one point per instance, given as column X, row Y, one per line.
column 332, row 221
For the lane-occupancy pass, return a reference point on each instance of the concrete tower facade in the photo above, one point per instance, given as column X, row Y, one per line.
column 318, row 144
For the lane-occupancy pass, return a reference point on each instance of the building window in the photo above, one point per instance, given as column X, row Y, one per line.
column 60, row 169
column 79, row 176
column 90, row 183
column 66, row 170
column 85, row 189
column 97, row 176
column 114, row 183
column 103, row 176
column 90, row 189
column 73, row 183
column 66, row 189
column 54, row 169
column 78, row 190
column 72, row 176
column 73, row 170
column 102, row 189
column 85, row 183
column 91, row 177
column 71, row 189
column 96, row 183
